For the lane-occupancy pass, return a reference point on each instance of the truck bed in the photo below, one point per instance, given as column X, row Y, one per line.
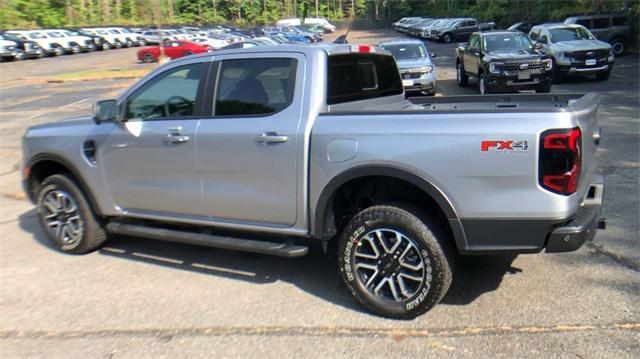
column 516, row 103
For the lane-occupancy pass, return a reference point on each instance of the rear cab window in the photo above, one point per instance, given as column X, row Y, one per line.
column 355, row 77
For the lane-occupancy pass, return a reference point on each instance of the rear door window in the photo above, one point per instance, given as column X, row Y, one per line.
column 619, row 21
column 356, row 77
column 584, row 22
column 255, row 86
column 601, row 23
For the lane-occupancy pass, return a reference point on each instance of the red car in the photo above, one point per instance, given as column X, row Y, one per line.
column 172, row 49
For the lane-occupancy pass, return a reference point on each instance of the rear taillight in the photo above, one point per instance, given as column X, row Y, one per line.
column 560, row 160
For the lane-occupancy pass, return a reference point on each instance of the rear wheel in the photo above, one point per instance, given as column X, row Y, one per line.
column 67, row 218
column 393, row 261
column 618, row 46
column 461, row 76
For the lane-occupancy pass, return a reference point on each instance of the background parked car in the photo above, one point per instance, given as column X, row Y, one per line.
column 523, row 27
column 173, row 49
column 575, row 51
column 8, row 50
column 51, row 46
column 25, row 49
column 612, row 28
column 503, row 61
column 414, row 63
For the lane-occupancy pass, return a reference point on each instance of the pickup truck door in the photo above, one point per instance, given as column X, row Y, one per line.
column 250, row 148
column 148, row 160
column 471, row 56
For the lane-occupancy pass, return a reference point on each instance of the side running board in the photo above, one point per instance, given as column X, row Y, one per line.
column 208, row 240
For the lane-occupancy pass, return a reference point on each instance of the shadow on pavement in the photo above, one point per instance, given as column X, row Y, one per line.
column 315, row 273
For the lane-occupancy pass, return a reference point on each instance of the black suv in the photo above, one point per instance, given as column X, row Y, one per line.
column 503, row 61
column 612, row 28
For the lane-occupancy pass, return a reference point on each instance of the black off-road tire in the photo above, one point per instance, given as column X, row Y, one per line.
column 92, row 235
column 544, row 88
column 483, row 84
column 433, row 248
column 603, row 76
column 618, row 45
column 461, row 77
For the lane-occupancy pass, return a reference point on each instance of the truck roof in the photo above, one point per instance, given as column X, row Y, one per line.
column 498, row 32
column 556, row 25
column 307, row 49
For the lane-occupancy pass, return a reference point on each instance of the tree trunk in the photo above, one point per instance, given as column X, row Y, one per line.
column 170, row 10
column 106, row 12
column 213, row 5
column 117, row 9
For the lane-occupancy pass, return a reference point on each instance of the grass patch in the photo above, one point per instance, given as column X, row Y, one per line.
column 105, row 74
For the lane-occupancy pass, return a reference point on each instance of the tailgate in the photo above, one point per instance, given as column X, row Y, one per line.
column 585, row 109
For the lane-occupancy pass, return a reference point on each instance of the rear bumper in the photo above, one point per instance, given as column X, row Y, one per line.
column 494, row 236
column 583, row 225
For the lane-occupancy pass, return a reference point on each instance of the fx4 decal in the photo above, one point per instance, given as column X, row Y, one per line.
column 519, row 146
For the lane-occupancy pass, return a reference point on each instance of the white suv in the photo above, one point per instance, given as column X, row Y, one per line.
column 52, row 46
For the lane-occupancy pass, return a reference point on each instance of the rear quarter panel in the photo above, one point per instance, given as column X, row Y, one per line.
column 445, row 150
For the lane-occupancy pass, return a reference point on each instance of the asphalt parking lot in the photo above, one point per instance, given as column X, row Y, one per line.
column 141, row 298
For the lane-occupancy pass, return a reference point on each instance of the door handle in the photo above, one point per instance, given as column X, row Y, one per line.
column 175, row 138
column 271, row 137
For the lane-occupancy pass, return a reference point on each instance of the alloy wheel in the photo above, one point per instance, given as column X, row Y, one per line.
column 61, row 214
column 389, row 265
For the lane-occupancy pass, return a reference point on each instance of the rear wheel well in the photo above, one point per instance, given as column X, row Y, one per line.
column 363, row 192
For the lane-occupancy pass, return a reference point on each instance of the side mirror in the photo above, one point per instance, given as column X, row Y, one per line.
column 538, row 45
column 105, row 111
column 433, row 55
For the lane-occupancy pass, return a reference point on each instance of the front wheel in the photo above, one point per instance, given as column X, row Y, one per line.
column 603, row 76
column 187, row 53
column 393, row 261
column 461, row 77
column 447, row 38
column 483, row 85
column 147, row 58
column 66, row 216
column 544, row 88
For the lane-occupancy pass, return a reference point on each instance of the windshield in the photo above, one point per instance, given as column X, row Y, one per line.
column 37, row 35
column 506, row 42
column 102, row 32
column 125, row 31
column 55, row 34
column 114, row 31
column 69, row 33
column 570, row 34
column 406, row 51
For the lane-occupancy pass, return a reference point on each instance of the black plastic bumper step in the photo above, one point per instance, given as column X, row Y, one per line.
column 208, row 240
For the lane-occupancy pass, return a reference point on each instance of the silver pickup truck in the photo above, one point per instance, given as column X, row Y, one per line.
column 263, row 149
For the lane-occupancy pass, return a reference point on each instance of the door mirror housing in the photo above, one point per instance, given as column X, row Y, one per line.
column 105, row 111
column 433, row 55
column 538, row 45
